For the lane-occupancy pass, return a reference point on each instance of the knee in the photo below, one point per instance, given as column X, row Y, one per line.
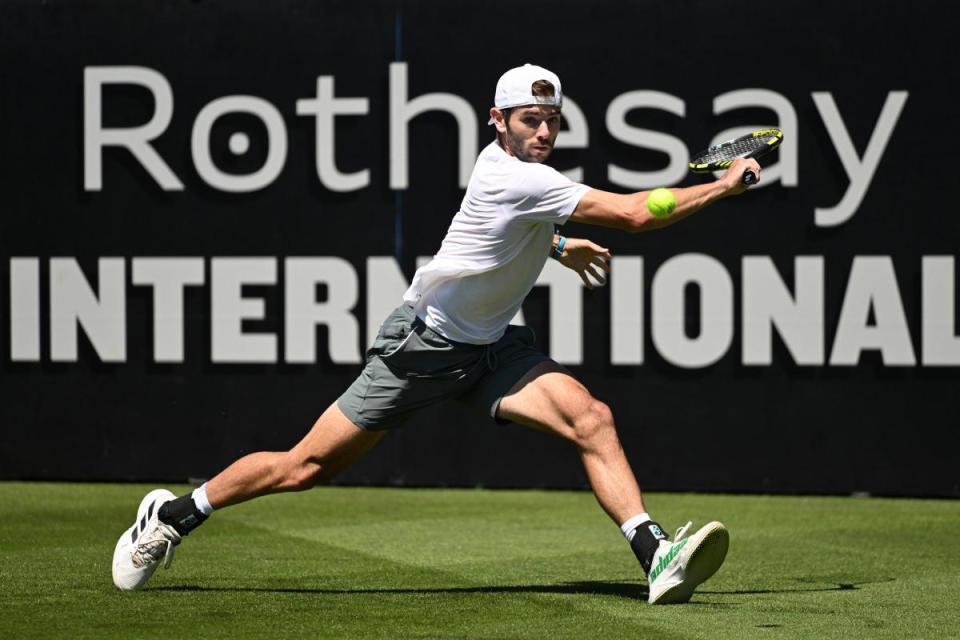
column 593, row 427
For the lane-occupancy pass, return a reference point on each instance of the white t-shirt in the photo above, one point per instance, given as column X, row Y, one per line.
column 495, row 247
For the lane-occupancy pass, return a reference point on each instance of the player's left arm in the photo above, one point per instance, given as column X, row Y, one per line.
column 628, row 212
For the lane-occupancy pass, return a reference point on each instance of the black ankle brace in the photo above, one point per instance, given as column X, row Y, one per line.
column 181, row 514
column 646, row 539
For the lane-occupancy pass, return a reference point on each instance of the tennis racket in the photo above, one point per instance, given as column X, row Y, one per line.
column 753, row 145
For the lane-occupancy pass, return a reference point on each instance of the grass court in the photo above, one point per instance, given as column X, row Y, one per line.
column 429, row 563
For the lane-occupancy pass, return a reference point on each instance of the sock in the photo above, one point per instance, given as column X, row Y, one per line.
column 629, row 527
column 199, row 496
column 646, row 539
column 182, row 514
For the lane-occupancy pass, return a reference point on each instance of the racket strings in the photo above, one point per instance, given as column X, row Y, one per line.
column 733, row 149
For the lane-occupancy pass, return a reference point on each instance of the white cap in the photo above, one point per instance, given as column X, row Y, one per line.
column 515, row 88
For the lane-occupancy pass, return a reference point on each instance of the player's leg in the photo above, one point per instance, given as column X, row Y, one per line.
column 550, row 399
column 382, row 397
column 332, row 445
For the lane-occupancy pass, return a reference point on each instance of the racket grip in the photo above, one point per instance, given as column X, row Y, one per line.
column 749, row 177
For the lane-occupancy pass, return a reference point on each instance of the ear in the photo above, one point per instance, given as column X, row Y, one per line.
column 498, row 120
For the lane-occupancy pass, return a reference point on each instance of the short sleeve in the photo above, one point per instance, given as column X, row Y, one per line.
column 541, row 193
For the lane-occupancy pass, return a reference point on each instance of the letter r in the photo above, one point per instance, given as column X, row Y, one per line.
column 135, row 139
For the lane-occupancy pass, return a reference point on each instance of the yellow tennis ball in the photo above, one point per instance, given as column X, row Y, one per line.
column 661, row 202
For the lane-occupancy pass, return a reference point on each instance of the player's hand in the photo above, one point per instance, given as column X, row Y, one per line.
column 732, row 179
column 587, row 259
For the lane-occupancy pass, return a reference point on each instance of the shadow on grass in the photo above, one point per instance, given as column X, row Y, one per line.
column 629, row 590
column 835, row 586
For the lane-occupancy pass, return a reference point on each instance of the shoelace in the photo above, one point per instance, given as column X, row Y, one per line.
column 682, row 532
column 156, row 544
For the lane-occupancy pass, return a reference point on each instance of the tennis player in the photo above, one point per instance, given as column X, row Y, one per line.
column 451, row 338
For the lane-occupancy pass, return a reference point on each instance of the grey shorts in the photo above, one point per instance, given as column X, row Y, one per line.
column 411, row 366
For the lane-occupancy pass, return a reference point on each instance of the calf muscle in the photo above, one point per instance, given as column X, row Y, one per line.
column 550, row 399
column 330, row 447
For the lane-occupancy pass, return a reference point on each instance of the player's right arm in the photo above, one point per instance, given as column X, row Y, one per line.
column 628, row 212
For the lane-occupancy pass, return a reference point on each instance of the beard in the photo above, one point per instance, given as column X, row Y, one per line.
column 523, row 150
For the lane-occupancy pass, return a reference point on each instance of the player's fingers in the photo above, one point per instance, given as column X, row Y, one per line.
column 586, row 280
column 597, row 275
column 601, row 262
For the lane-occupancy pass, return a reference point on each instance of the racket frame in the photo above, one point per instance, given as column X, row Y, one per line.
column 749, row 177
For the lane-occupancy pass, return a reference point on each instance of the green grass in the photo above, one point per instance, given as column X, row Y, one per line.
column 401, row 563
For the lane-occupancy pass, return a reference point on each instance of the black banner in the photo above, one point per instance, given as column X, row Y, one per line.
column 209, row 207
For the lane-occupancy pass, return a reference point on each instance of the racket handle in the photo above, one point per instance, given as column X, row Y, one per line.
column 749, row 177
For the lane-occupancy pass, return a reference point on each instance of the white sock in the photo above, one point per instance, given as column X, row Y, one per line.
column 199, row 497
column 629, row 528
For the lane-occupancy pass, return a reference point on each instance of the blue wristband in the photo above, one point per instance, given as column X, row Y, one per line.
column 556, row 252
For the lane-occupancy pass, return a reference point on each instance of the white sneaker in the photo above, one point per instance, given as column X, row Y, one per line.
column 142, row 546
column 682, row 564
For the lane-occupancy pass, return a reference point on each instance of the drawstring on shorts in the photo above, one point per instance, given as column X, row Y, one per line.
column 491, row 357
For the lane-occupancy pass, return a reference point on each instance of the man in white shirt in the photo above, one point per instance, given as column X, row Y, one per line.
column 451, row 338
